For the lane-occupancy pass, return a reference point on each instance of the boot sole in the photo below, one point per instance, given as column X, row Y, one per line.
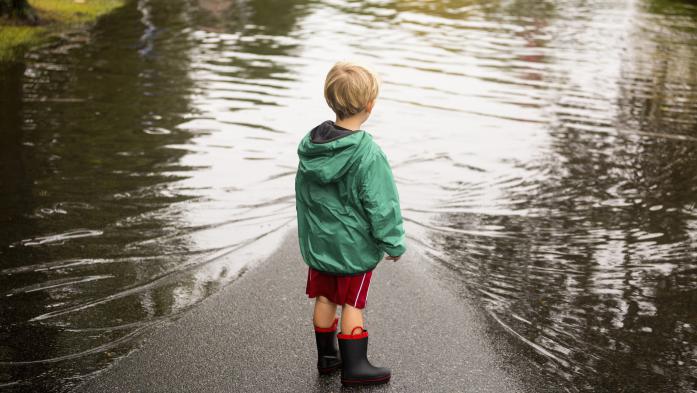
column 373, row 381
column 329, row 370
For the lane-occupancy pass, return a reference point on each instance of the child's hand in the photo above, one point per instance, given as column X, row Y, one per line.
column 391, row 258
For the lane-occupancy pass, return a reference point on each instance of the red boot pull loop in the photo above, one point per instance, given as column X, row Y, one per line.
column 352, row 336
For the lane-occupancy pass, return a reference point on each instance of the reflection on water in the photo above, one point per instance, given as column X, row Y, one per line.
column 545, row 153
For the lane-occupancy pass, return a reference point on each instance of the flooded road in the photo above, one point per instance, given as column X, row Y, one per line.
column 545, row 153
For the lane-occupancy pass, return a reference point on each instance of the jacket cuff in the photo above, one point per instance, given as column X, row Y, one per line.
column 394, row 251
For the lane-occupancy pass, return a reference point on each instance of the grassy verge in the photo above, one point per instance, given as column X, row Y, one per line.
column 54, row 16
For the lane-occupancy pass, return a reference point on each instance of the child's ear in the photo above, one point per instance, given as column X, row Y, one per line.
column 369, row 107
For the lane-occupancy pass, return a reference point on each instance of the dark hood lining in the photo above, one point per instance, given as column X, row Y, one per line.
column 328, row 131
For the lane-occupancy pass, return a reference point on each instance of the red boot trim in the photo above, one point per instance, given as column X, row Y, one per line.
column 352, row 336
column 330, row 329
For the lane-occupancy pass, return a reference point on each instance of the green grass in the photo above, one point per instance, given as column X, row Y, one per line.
column 15, row 38
column 54, row 16
column 73, row 12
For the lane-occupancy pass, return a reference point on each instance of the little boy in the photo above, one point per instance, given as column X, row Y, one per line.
column 348, row 218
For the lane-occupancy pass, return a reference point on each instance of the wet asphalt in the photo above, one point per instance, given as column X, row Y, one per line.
column 256, row 335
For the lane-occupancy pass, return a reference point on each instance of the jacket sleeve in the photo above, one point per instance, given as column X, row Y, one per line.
column 380, row 199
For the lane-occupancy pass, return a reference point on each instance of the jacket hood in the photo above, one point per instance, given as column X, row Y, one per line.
column 328, row 151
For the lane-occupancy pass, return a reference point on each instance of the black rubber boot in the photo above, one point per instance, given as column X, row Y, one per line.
column 356, row 369
column 328, row 358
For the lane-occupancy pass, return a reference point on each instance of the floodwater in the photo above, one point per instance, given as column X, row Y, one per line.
column 545, row 153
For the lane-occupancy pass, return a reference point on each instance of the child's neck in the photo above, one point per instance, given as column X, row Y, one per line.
column 352, row 123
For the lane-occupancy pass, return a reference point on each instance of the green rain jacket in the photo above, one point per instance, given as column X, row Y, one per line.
column 346, row 201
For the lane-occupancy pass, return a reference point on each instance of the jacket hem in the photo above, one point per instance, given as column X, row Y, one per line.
column 346, row 274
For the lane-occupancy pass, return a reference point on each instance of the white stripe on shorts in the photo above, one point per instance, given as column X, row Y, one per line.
column 359, row 291
column 368, row 291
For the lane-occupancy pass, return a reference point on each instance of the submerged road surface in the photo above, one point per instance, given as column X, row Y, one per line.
column 256, row 336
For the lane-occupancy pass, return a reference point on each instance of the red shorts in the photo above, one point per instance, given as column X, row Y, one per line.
column 351, row 290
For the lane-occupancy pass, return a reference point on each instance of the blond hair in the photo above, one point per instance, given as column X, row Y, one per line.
column 349, row 88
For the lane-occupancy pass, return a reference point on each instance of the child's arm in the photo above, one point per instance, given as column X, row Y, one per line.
column 380, row 199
